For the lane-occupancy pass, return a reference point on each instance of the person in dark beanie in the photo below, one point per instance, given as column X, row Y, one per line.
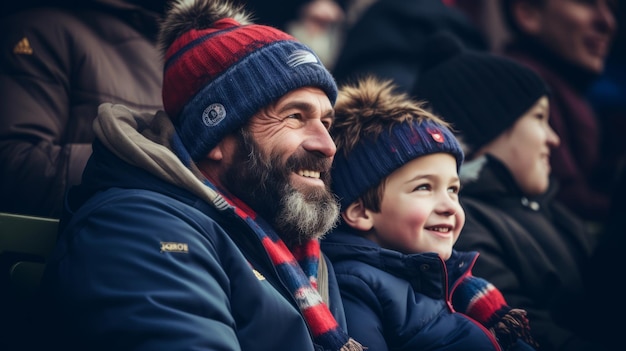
column 532, row 247
column 567, row 42
column 403, row 286
column 197, row 227
column 386, row 37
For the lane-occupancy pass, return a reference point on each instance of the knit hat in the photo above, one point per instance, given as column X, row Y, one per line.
column 371, row 160
column 480, row 93
column 220, row 69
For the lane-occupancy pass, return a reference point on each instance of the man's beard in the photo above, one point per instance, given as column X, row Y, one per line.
column 263, row 184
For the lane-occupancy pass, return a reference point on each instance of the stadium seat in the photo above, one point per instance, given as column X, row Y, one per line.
column 25, row 244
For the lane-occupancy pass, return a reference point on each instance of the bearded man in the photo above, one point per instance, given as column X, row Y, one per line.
column 197, row 227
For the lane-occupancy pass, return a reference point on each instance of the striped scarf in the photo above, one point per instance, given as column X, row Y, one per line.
column 298, row 270
column 482, row 301
column 297, row 267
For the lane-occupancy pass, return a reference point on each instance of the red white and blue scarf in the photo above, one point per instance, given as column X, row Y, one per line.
column 298, row 270
column 297, row 267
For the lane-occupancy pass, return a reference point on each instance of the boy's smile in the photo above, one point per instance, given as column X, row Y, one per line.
column 420, row 210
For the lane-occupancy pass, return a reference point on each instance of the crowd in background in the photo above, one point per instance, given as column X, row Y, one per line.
column 550, row 241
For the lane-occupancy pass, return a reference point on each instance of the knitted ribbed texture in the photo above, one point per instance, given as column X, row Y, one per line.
column 480, row 93
column 297, row 269
column 370, row 162
column 483, row 302
column 478, row 298
column 215, row 79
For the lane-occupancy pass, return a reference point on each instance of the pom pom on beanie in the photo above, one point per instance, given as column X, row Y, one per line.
column 377, row 130
column 220, row 69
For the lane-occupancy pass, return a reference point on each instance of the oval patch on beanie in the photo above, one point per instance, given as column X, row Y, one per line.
column 213, row 114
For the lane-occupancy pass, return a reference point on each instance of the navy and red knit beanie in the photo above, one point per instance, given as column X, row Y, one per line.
column 220, row 69
column 371, row 161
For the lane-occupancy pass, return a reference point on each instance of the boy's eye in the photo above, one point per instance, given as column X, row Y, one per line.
column 422, row 187
column 454, row 189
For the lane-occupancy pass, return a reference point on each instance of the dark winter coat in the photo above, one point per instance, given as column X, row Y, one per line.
column 394, row 301
column 145, row 261
column 56, row 66
column 532, row 249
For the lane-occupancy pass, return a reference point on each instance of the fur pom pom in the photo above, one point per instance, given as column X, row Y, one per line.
column 184, row 15
column 370, row 105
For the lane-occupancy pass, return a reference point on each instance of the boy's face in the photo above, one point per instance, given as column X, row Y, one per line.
column 525, row 148
column 420, row 210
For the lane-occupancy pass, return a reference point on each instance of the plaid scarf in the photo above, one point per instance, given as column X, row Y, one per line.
column 298, row 270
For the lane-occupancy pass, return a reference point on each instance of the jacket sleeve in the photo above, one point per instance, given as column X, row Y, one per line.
column 35, row 81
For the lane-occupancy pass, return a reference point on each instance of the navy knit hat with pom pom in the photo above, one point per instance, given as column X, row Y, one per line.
column 220, row 69
column 378, row 130
column 372, row 161
column 481, row 94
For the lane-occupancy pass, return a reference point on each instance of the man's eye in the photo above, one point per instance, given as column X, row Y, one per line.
column 328, row 124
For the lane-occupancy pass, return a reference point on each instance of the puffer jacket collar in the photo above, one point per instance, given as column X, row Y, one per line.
column 132, row 151
column 488, row 179
column 426, row 272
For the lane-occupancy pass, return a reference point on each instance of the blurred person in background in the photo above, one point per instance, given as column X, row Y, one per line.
column 532, row 247
column 58, row 63
column 386, row 37
column 566, row 42
column 608, row 98
column 317, row 23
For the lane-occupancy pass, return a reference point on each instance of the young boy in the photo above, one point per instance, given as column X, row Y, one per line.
column 403, row 286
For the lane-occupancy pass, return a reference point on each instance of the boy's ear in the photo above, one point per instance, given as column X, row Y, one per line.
column 357, row 216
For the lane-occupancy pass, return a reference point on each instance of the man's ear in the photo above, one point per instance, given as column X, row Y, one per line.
column 528, row 17
column 217, row 159
column 358, row 217
column 223, row 148
column 216, row 153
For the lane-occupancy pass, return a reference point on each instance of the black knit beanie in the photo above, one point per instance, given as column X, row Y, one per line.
column 481, row 94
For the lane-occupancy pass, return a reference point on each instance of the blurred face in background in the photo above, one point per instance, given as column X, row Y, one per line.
column 525, row 148
column 579, row 31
